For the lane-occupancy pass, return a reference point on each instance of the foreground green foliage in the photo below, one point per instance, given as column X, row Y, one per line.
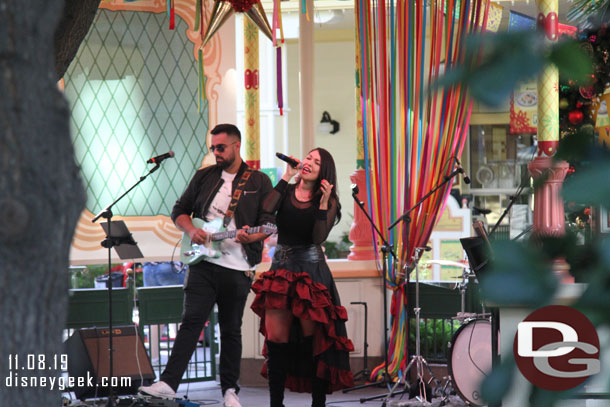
column 521, row 272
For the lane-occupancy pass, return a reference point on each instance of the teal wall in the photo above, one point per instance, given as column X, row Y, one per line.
column 132, row 89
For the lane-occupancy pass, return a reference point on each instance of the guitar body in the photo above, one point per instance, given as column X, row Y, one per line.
column 192, row 253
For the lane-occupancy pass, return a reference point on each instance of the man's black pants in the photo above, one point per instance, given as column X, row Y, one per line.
column 206, row 284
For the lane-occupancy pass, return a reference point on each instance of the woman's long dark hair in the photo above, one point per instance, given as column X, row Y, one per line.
column 328, row 171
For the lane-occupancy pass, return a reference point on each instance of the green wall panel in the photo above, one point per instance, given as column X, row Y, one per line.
column 132, row 89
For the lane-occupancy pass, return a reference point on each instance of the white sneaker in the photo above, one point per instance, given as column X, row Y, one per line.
column 231, row 399
column 158, row 389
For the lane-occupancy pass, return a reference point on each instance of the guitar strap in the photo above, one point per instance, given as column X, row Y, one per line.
column 236, row 196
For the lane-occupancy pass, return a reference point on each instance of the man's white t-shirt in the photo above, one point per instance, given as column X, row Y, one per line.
column 233, row 253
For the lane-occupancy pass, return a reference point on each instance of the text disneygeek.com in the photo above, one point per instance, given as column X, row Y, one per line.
column 27, row 371
column 64, row 383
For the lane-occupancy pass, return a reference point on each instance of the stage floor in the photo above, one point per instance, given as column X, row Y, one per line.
column 208, row 394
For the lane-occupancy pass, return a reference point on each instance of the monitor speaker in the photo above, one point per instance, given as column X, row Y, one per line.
column 89, row 362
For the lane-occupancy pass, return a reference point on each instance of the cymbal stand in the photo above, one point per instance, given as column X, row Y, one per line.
column 417, row 360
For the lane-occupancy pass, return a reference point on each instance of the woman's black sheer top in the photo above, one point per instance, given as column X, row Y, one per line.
column 299, row 223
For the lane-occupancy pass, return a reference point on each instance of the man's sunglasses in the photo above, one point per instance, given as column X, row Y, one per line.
column 220, row 147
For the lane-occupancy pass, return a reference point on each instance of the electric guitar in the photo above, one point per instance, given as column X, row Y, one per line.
column 193, row 253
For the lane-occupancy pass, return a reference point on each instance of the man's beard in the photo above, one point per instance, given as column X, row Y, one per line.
column 224, row 164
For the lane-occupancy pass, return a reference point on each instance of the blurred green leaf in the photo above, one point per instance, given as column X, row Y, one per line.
column 589, row 185
column 519, row 275
column 577, row 146
column 595, row 301
column 497, row 384
column 494, row 65
column 545, row 398
column 572, row 61
column 562, row 246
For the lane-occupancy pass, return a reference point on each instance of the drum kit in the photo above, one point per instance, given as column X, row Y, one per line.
column 470, row 349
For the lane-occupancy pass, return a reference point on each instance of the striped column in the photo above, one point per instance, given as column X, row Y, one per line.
column 548, row 83
column 252, row 96
column 549, row 212
column 306, row 79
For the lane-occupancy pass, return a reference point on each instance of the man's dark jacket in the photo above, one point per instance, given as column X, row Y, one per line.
column 204, row 185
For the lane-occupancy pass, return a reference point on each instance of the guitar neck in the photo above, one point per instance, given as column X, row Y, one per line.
column 229, row 234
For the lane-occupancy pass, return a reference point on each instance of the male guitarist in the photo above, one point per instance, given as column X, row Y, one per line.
column 224, row 280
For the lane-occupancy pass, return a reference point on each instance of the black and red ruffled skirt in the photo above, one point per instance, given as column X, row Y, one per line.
column 307, row 289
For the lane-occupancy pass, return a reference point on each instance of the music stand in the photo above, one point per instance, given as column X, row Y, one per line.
column 121, row 239
column 123, row 242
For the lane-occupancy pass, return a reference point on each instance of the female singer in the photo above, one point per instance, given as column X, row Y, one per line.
column 302, row 319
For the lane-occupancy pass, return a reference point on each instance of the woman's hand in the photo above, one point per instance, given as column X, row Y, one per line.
column 326, row 188
column 290, row 170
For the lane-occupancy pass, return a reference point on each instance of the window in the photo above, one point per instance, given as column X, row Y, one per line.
column 498, row 166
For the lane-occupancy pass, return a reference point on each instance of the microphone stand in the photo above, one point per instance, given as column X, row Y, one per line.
column 405, row 216
column 407, row 219
column 385, row 249
column 510, row 205
column 109, row 243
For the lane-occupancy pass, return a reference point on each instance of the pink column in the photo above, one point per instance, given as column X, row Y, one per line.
column 360, row 234
column 548, row 204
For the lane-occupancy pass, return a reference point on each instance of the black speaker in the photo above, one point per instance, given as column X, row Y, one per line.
column 89, row 362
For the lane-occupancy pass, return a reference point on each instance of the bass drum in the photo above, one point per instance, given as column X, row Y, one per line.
column 470, row 359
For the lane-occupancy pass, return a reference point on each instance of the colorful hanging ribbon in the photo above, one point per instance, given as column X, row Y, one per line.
column 277, row 26
column 171, row 9
column 411, row 133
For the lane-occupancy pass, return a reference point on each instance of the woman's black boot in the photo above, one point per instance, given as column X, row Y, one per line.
column 318, row 394
column 277, row 355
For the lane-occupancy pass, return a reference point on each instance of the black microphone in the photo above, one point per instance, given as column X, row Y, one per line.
column 459, row 166
column 291, row 161
column 355, row 189
column 159, row 158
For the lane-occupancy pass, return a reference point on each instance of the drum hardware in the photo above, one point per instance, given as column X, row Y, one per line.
column 446, row 389
column 451, row 263
column 423, row 391
column 470, row 350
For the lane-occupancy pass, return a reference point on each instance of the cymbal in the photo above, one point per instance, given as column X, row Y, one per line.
column 449, row 263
